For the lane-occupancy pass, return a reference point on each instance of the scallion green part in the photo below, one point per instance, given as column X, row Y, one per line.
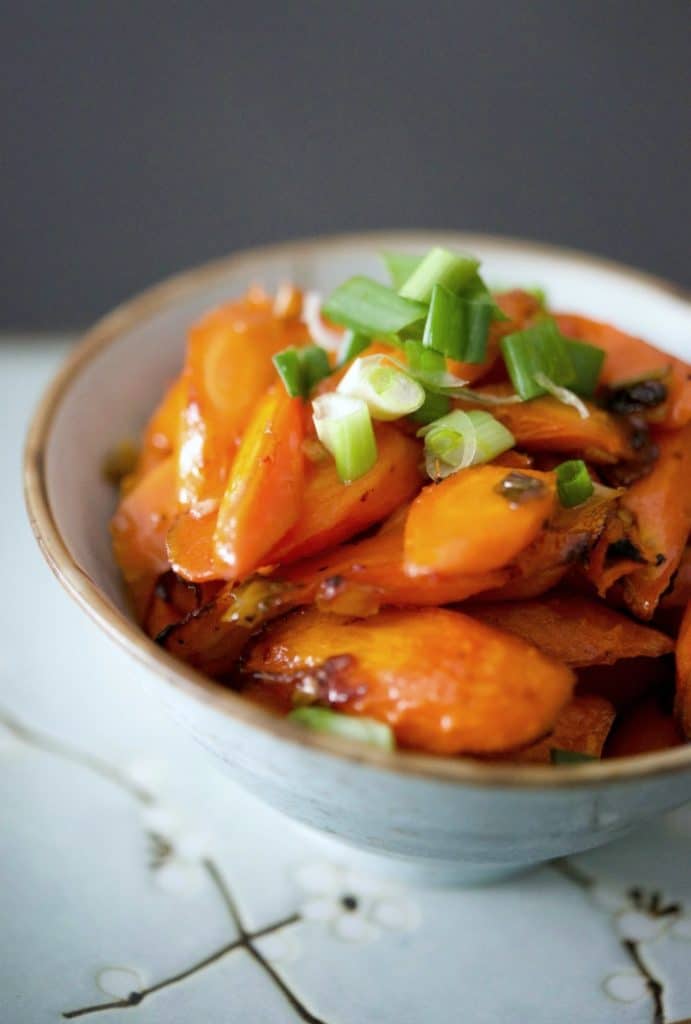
column 587, row 363
column 289, row 370
column 539, row 349
column 387, row 390
column 301, row 368
column 558, row 756
column 362, row 730
column 370, row 308
column 433, row 408
column 400, row 266
column 315, row 366
column 445, row 327
column 462, row 439
column 353, row 344
column 574, row 485
column 344, row 426
column 439, row 266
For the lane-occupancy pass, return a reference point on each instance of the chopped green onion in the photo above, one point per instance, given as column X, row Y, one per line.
column 479, row 315
column 563, row 395
column 539, row 348
column 558, row 756
column 344, row 427
column 363, row 730
column 388, row 392
column 574, row 485
column 353, row 344
column 371, row 308
column 400, row 266
column 539, row 294
column 587, row 362
column 445, row 327
column 462, row 439
column 289, row 369
column 433, row 408
column 439, row 266
column 300, row 369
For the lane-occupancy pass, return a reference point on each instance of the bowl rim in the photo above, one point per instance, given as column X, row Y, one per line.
column 128, row 634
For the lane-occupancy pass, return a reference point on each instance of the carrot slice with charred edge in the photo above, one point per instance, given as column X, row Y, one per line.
column 139, row 529
column 605, row 565
column 682, row 702
column 173, row 600
column 162, row 432
column 575, row 630
column 370, row 573
column 332, row 512
column 660, row 504
column 545, row 424
column 582, row 727
column 680, row 594
column 465, row 525
column 642, row 729
column 227, row 371
column 629, row 358
column 444, row 682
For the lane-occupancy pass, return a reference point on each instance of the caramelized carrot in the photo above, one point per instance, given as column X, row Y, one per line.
column 660, row 505
column 139, row 529
column 582, row 728
column 629, row 358
column 467, row 525
column 680, row 594
column 682, row 704
column 575, row 629
column 332, row 512
column 162, row 432
column 444, row 682
column 643, row 729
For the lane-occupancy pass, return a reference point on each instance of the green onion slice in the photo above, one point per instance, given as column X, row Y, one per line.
column 320, row 332
column 315, row 366
column 433, row 408
column 587, row 363
column 563, row 395
column 289, row 369
column 574, row 485
column 462, row 439
column 400, row 266
column 539, row 349
column 442, row 267
column 558, row 756
column 371, row 308
column 388, row 392
column 363, row 730
column 352, row 345
column 457, row 326
column 300, row 369
column 344, row 427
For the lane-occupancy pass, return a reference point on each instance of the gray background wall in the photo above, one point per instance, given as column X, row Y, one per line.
column 141, row 137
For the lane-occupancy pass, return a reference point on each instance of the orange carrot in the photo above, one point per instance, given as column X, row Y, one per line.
column 629, row 358
column 161, row 433
column 680, row 594
column 444, row 682
column 643, row 729
column 575, row 629
column 582, row 728
column 465, row 524
column 682, row 704
column 139, row 529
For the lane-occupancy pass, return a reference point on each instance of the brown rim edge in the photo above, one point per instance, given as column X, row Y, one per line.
column 195, row 684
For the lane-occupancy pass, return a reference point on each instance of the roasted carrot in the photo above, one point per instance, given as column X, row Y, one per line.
column 642, row 729
column 332, row 512
column 581, row 728
column 139, row 529
column 660, row 506
column 444, row 682
column 680, row 594
column 173, row 600
column 682, row 704
column 476, row 521
column 162, row 432
column 630, row 359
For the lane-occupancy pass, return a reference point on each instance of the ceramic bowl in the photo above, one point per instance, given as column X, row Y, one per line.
column 447, row 818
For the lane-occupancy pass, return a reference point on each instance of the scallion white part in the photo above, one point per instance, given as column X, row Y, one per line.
column 344, row 426
column 387, row 390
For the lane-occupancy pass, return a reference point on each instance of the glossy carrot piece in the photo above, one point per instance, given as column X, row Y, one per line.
column 581, row 728
column 660, row 505
column 139, row 529
column 545, row 424
column 682, row 703
column 643, row 729
column 680, row 594
column 629, row 358
column 173, row 600
column 228, row 369
column 575, row 629
column 332, row 511
column 444, row 682
column 162, row 432
column 465, row 525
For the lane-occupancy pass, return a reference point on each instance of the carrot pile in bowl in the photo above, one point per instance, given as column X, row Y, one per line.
column 424, row 515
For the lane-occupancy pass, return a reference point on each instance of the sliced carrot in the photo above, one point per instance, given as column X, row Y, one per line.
column 545, row 424
column 162, row 432
column 575, row 630
column 172, row 600
column 139, row 529
column 616, row 554
column 642, row 729
column 228, row 369
column 627, row 681
column 682, row 703
column 660, row 505
column 629, row 358
column 332, row 511
column 444, row 682
column 581, row 728
column 465, row 525
column 680, row 594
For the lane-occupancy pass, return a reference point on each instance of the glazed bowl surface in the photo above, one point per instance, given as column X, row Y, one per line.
column 446, row 818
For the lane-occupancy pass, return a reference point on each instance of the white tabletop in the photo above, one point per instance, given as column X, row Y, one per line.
column 137, row 884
